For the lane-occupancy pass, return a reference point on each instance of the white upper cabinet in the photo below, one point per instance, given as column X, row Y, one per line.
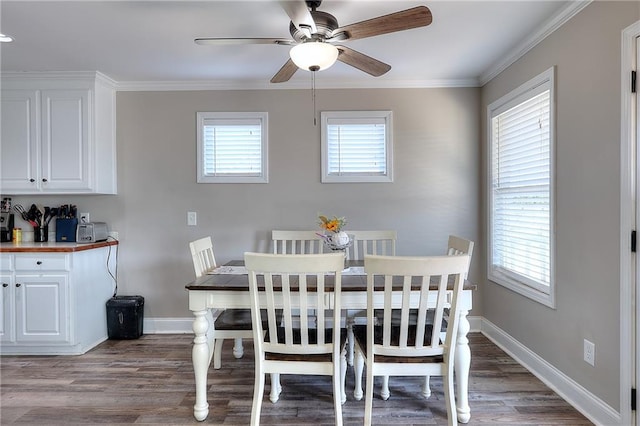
column 58, row 134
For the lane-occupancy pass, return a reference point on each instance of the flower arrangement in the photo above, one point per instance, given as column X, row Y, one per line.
column 332, row 225
column 334, row 237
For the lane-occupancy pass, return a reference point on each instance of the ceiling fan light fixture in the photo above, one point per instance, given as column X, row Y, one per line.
column 314, row 55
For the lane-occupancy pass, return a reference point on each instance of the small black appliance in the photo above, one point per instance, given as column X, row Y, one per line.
column 6, row 227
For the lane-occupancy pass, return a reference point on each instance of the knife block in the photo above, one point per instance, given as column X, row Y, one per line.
column 66, row 230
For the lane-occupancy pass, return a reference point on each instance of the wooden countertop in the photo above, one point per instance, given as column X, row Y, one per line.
column 52, row 247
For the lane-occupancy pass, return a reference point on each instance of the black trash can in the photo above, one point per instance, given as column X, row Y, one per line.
column 125, row 315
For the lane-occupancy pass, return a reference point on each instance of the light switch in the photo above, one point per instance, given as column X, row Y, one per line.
column 192, row 218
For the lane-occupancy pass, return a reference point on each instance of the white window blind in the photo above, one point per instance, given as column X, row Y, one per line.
column 232, row 147
column 521, row 192
column 356, row 146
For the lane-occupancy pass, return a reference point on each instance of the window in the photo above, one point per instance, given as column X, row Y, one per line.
column 357, row 146
column 232, row 147
column 521, row 179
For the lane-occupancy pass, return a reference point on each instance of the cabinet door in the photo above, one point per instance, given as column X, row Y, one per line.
column 7, row 313
column 42, row 308
column 65, row 140
column 19, row 151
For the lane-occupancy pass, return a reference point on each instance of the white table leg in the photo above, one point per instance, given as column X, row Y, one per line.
column 462, row 365
column 358, row 361
column 200, row 357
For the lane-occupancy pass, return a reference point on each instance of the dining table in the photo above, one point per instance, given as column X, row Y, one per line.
column 227, row 287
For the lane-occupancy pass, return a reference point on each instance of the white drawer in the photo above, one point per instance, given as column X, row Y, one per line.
column 6, row 262
column 44, row 262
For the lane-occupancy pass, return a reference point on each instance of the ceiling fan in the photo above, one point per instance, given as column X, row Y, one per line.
column 315, row 34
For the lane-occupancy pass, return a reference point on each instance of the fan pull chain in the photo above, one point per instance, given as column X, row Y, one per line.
column 313, row 96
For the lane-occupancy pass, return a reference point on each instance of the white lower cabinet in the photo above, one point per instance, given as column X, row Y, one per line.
column 42, row 308
column 7, row 319
column 54, row 303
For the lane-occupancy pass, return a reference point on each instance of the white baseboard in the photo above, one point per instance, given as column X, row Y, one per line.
column 184, row 325
column 580, row 398
column 167, row 325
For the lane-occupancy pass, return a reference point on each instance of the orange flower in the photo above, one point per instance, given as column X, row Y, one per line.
column 332, row 225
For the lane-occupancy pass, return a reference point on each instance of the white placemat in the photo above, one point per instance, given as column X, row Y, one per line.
column 229, row 270
column 241, row 270
column 354, row 270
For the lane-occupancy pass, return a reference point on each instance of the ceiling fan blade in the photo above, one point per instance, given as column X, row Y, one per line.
column 231, row 41
column 300, row 16
column 286, row 72
column 419, row 16
column 363, row 62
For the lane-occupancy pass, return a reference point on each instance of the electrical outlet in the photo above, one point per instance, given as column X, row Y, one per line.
column 85, row 217
column 589, row 352
column 192, row 218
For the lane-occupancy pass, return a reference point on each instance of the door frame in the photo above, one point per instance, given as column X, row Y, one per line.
column 630, row 206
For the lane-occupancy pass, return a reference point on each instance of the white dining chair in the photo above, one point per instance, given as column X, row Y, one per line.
column 458, row 245
column 380, row 242
column 230, row 323
column 296, row 242
column 298, row 287
column 410, row 348
column 455, row 246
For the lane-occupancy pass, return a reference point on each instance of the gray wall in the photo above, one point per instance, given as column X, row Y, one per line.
column 436, row 189
column 586, row 52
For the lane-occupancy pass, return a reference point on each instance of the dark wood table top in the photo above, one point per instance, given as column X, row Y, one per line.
column 240, row 282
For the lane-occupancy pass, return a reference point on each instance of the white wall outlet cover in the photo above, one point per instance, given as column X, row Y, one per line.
column 192, row 218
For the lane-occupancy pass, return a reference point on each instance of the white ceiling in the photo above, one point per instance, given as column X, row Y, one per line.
column 150, row 43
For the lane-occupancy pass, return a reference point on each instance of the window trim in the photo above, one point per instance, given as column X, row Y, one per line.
column 387, row 116
column 262, row 117
column 534, row 291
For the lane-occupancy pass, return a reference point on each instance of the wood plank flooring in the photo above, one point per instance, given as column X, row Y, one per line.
column 150, row 381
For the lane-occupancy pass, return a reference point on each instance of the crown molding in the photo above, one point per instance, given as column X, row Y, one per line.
column 142, row 86
column 62, row 76
column 555, row 22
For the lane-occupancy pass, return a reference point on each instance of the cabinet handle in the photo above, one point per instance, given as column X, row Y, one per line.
column 44, row 179
column 5, row 285
column 18, row 284
column 32, row 180
column 39, row 262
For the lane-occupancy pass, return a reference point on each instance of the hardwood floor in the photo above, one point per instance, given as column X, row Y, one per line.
column 150, row 381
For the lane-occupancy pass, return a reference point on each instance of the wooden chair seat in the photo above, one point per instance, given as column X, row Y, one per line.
column 312, row 335
column 413, row 317
column 313, row 338
column 234, row 319
column 360, row 334
column 238, row 319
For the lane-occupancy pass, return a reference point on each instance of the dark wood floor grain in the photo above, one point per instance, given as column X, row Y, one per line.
column 150, row 381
